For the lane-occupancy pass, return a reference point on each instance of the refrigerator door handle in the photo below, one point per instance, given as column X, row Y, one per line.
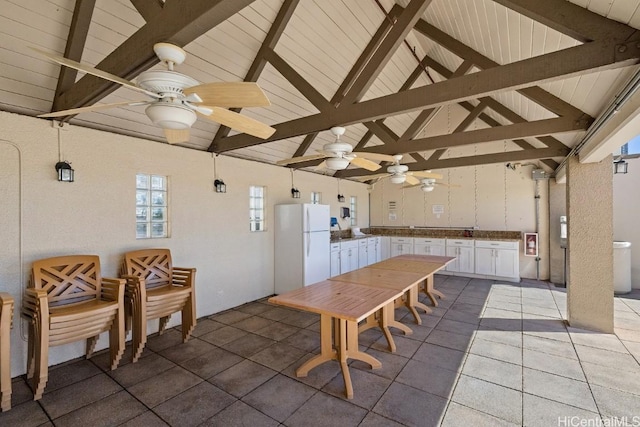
column 308, row 228
column 308, row 244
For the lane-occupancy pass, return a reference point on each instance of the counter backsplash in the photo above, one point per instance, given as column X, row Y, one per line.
column 432, row 232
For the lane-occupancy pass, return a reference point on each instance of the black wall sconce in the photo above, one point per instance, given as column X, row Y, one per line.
column 620, row 166
column 295, row 193
column 221, row 187
column 65, row 171
column 341, row 198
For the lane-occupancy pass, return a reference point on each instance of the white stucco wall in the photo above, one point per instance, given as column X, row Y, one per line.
column 42, row 217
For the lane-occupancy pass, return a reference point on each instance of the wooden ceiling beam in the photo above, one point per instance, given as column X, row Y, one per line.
column 597, row 55
column 403, row 25
column 570, row 19
column 476, row 160
column 257, row 66
column 456, row 139
column 80, row 23
column 179, row 22
column 148, row 9
column 536, row 94
column 292, row 76
column 352, row 75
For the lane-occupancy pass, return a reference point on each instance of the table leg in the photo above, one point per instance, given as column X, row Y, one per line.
column 326, row 349
column 352, row 350
column 343, row 354
column 431, row 292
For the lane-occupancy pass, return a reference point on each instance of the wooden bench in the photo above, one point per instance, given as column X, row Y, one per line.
column 68, row 300
column 155, row 290
column 6, row 318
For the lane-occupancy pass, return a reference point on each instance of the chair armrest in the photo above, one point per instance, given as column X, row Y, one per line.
column 135, row 288
column 112, row 289
column 35, row 301
column 6, row 309
column 184, row 276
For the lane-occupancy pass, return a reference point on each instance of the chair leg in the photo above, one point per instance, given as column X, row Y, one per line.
column 41, row 361
column 139, row 331
column 116, row 339
column 5, row 365
column 31, row 363
column 91, row 345
column 163, row 324
column 188, row 317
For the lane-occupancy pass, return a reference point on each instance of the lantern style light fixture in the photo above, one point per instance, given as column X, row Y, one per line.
column 340, row 196
column 295, row 193
column 218, row 184
column 221, row 187
column 63, row 167
column 65, row 171
column 620, row 166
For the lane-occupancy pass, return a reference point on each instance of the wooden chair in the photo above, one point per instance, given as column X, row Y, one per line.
column 68, row 300
column 155, row 290
column 6, row 317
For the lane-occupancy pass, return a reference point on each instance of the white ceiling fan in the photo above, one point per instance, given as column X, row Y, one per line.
column 176, row 98
column 429, row 184
column 399, row 174
column 339, row 155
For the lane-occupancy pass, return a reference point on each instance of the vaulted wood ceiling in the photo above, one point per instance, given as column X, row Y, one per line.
column 532, row 73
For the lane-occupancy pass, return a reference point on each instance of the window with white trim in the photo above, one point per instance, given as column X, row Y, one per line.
column 257, row 195
column 352, row 207
column 316, row 197
column 152, row 207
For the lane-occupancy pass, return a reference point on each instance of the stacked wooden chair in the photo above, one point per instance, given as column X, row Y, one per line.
column 68, row 300
column 6, row 316
column 155, row 290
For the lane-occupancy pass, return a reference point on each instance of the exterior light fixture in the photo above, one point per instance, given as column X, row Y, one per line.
column 221, row 187
column 341, row 198
column 620, row 166
column 295, row 193
column 65, row 171
column 218, row 184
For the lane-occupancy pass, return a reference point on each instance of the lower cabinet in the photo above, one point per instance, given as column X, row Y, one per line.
column 335, row 259
column 428, row 246
column 494, row 258
column 401, row 246
column 372, row 248
column 463, row 251
column 363, row 253
column 348, row 256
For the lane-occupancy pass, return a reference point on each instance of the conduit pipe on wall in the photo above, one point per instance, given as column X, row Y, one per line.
column 620, row 99
column 537, row 203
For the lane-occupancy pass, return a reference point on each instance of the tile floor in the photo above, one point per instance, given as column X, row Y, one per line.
column 491, row 354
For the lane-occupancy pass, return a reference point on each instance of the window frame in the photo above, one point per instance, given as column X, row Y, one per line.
column 150, row 203
column 353, row 203
column 257, row 225
column 316, row 197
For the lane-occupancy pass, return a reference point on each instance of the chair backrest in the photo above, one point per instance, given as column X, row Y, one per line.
column 153, row 265
column 68, row 279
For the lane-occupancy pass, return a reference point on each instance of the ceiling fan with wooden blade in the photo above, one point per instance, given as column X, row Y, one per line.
column 400, row 174
column 177, row 99
column 429, row 184
column 339, row 155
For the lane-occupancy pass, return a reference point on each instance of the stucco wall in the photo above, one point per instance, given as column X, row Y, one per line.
column 42, row 217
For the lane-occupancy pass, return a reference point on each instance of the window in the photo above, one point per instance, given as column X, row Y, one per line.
column 352, row 207
column 256, row 208
column 316, row 197
column 151, row 207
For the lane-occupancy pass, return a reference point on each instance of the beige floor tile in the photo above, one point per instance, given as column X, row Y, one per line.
column 501, row 402
column 560, row 389
column 540, row 412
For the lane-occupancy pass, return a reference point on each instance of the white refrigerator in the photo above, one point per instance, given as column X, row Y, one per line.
column 302, row 245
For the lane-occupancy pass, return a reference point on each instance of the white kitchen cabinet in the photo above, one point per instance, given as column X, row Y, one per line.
column 401, row 246
column 429, row 246
column 497, row 258
column 385, row 247
column 363, row 253
column 335, row 259
column 348, row 256
column 372, row 248
column 463, row 250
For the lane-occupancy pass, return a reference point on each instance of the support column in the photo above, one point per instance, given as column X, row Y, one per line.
column 590, row 244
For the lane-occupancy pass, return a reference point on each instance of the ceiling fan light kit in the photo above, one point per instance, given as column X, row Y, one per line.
column 175, row 97
column 337, row 163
